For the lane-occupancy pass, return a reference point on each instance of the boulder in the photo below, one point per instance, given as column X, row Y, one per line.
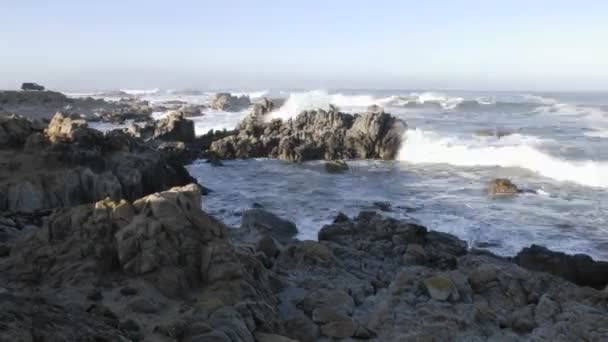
column 259, row 223
column 71, row 128
column 230, row 103
column 175, row 127
column 266, row 105
column 15, row 130
column 502, row 187
column 581, row 269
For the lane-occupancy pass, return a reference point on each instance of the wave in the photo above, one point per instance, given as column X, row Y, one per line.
column 424, row 147
column 141, row 92
column 251, row 95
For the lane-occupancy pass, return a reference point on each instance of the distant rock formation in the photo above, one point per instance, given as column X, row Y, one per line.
column 230, row 103
column 315, row 135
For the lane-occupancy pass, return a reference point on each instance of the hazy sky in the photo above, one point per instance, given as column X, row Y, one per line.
column 92, row 45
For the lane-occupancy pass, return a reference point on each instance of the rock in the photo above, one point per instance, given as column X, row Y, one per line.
column 175, row 127
column 439, row 287
column 341, row 217
column 546, row 310
column 265, row 105
column 383, row 206
column 336, row 166
column 315, row 135
column 143, row 130
column 580, row 268
column 498, row 133
column 339, row 329
column 144, row 305
column 502, row 187
column 15, row 130
column 128, row 291
column 262, row 222
column 264, row 337
column 71, row 128
column 229, row 103
column 95, row 295
column 82, row 165
column 416, row 253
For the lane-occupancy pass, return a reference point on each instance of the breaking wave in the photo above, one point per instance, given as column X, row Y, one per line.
column 420, row 147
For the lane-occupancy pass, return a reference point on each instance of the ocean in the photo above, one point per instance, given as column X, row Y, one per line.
column 554, row 144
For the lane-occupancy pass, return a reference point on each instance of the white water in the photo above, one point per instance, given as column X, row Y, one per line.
column 512, row 151
column 558, row 148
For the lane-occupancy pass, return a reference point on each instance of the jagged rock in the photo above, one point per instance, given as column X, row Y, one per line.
column 502, row 187
column 229, row 103
column 580, row 268
column 175, row 127
column 439, row 288
column 266, row 105
column 15, row 130
column 83, row 165
column 315, row 135
column 143, row 130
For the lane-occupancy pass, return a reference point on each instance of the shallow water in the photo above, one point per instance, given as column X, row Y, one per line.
column 558, row 148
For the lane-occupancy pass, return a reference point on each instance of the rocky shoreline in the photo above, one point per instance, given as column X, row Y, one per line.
column 103, row 238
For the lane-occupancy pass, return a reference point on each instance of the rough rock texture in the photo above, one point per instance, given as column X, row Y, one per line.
column 230, row 103
column 175, row 127
column 316, row 135
column 502, row 187
column 160, row 269
column 185, row 280
column 72, row 164
column 580, row 269
column 15, row 129
column 266, row 105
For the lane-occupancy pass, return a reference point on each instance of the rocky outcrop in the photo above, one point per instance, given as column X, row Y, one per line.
column 128, row 264
column 580, row 268
column 174, row 127
column 160, row 269
column 15, row 129
column 266, row 105
column 502, row 187
column 72, row 164
column 44, row 104
column 230, row 103
column 316, row 135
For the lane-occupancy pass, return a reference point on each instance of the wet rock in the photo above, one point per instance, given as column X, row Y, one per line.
column 336, row 166
column 95, row 295
column 264, row 337
column 265, row 105
column 339, row 329
column 383, row 206
column 341, row 217
column 262, row 222
column 580, row 268
column 315, row 135
column 502, row 187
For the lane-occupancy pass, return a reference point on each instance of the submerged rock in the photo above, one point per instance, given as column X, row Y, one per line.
column 336, row 166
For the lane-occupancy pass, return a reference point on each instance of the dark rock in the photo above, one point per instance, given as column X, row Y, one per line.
column 341, row 217
column 95, row 295
column 383, row 206
column 315, row 135
column 581, row 269
column 262, row 222
column 128, row 291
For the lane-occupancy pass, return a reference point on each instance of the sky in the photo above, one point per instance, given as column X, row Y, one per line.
column 461, row 44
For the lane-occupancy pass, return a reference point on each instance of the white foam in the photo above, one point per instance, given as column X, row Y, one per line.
column 298, row 102
column 141, row 92
column 513, row 151
column 251, row 95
